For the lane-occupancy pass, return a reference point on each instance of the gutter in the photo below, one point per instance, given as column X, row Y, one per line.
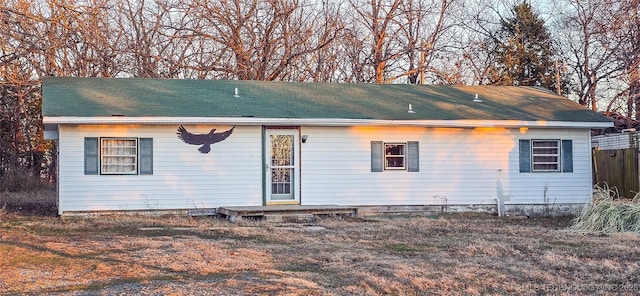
column 51, row 122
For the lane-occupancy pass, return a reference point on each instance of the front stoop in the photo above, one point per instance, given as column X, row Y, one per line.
column 296, row 218
column 285, row 213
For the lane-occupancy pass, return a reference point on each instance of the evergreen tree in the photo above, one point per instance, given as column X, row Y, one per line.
column 523, row 51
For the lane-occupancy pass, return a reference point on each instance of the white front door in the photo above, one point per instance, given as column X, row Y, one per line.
column 283, row 166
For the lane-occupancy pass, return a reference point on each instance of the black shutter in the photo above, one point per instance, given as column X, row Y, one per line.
column 91, row 156
column 525, row 156
column 567, row 156
column 413, row 156
column 376, row 156
column 146, row 156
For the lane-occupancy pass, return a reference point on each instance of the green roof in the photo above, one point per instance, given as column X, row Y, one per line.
column 137, row 97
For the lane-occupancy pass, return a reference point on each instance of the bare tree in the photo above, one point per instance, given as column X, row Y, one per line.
column 145, row 40
column 423, row 32
column 256, row 40
column 321, row 63
column 19, row 97
column 479, row 22
column 20, row 141
column 21, row 145
column 629, row 55
column 587, row 28
column 373, row 24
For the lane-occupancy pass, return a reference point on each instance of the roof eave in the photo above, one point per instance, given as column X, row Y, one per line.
column 53, row 121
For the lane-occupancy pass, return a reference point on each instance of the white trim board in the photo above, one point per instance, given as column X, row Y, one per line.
column 50, row 121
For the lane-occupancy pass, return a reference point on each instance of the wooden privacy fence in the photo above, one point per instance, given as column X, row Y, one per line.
column 617, row 168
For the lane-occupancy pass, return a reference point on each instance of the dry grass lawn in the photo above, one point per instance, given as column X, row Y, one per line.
column 419, row 255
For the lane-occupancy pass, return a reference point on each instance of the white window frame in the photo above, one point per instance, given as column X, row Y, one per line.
column 104, row 156
column 387, row 156
column 557, row 155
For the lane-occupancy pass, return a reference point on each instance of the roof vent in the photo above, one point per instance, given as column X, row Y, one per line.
column 235, row 93
column 410, row 109
column 477, row 100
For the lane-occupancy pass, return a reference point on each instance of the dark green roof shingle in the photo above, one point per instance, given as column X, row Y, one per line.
column 88, row 97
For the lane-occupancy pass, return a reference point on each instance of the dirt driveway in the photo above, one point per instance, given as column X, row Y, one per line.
column 446, row 254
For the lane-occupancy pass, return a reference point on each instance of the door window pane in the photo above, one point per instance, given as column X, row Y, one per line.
column 281, row 179
column 281, row 150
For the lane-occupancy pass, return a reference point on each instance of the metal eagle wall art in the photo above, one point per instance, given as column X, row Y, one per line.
column 206, row 140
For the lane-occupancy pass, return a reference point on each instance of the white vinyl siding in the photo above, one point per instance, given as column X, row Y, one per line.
column 183, row 178
column 457, row 166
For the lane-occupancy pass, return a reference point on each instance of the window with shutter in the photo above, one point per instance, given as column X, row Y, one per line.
column 545, row 156
column 394, row 156
column 118, row 156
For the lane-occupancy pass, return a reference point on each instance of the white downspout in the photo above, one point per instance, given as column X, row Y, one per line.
column 500, row 198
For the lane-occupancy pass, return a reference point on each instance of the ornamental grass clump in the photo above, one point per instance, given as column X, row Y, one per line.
column 608, row 213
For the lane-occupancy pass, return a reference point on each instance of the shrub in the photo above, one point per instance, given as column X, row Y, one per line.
column 609, row 213
column 19, row 180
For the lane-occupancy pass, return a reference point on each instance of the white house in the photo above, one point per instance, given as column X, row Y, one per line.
column 154, row 144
